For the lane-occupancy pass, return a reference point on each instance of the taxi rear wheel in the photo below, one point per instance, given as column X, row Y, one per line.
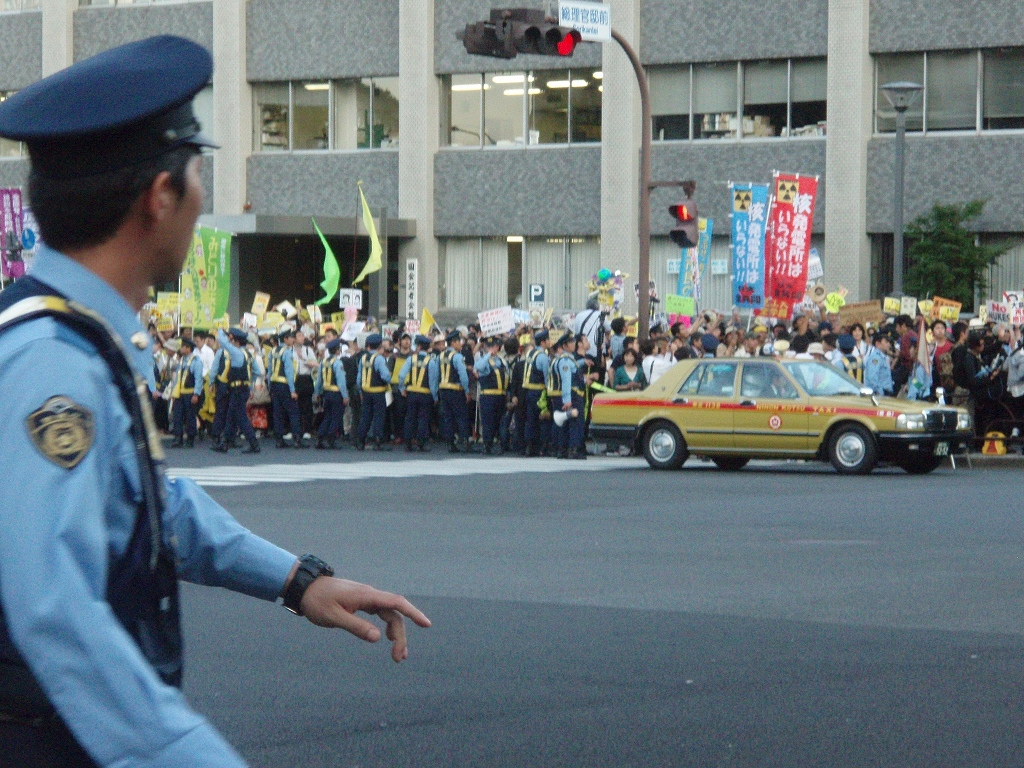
column 730, row 463
column 851, row 449
column 664, row 447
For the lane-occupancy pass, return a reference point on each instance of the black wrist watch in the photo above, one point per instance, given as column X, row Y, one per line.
column 310, row 569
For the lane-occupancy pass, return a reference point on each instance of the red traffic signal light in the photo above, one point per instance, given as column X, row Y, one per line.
column 685, row 234
column 519, row 30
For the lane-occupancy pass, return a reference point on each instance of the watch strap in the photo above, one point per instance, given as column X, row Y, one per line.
column 310, row 569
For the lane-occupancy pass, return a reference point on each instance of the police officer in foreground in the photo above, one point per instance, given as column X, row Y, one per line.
column 90, row 645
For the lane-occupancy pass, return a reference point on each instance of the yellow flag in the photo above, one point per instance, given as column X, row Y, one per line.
column 373, row 264
column 426, row 321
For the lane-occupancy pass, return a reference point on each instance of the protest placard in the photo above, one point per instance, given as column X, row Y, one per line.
column 945, row 309
column 496, row 321
column 249, row 321
column 680, row 305
column 862, row 312
column 891, row 305
column 925, row 306
column 908, row 305
column 260, row 303
column 834, row 302
column 998, row 312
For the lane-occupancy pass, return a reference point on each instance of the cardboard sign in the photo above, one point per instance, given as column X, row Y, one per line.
column 945, row 309
column 814, row 267
column 165, row 324
column 680, row 305
column 862, row 312
column 338, row 318
column 925, row 307
column 272, row 319
column 1013, row 297
column 249, row 321
column 1017, row 314
column 908, row 305
column 350, row 297
column 998, row 312
column 412, row 327
column 891, row 305
column 260, row 303
column 167, row 302
column 222, row 323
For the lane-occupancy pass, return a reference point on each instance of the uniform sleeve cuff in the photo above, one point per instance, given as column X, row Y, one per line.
column 202, row 745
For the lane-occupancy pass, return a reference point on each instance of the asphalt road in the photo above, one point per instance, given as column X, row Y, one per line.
column 780, row 616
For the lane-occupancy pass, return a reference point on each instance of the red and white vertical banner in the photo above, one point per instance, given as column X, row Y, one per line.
column 788, row 245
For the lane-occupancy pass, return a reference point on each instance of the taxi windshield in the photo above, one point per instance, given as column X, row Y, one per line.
column 821, row 379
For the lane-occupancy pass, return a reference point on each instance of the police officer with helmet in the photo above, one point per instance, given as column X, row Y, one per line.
column 90, row 644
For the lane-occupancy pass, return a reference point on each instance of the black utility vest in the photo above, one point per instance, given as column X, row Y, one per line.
column 142, row 585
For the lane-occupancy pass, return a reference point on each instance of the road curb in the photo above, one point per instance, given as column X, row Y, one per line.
column 986, row 461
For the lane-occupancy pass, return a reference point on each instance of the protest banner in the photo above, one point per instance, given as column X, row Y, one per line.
column 945, row 309
column 205, row 281
column 496, row 321
column 165, row 324
column 891, row 305
column 338, row 318
column 749, row 216
column 1017, row 314
column 167, row 302
column 1013, row 297
column 926, row 307
column 908, row 305
column 680, row 305
column 521, row 316
column 862, row 312
column 787, row 248
column 222, row 323
column 272, row 319
column 260, row 303
column 412, row 327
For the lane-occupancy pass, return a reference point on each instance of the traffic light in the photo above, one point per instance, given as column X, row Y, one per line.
column 511, row 31
column 685, row 233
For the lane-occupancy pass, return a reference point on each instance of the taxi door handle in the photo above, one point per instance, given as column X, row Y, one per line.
column 682, row 400
column 748, row 403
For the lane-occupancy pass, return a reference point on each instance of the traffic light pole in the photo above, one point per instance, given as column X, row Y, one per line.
column 644, row 276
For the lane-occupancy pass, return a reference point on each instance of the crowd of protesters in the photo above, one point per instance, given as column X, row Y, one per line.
column 529, row 391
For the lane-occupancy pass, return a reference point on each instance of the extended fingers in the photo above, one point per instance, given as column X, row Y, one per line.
column 396, row 633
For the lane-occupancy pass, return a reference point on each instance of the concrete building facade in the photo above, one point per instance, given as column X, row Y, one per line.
column 491, row 175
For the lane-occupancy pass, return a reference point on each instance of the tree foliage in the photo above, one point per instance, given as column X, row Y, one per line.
column 944, row 257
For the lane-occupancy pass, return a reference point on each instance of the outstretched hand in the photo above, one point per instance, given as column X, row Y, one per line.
column 331, row 602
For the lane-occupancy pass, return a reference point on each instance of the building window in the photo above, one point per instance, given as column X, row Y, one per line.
column 1004, row 88
column 322, row 115
column 714, row 100
column 952, row 80
column 963, row 90
column 517, row 109
column 15, row 6
column 84, row 3
column 10, row 148
column 784, row 97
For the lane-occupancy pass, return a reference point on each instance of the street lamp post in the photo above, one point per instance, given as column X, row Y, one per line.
column 900, row 95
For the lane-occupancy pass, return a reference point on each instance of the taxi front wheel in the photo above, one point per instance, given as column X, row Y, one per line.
column 851, row 449
column 664, row 447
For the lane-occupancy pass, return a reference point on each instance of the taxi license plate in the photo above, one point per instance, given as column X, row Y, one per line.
column 941, row 449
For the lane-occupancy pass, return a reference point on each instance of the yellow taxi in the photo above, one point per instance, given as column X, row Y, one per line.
column 732, row 410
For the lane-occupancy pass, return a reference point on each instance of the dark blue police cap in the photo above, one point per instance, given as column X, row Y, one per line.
column 374, row 340
column 239, row 334
column 333, row 345
column 564, row 339
column 453, row 336
column 422, row 341
column 540, row 336
column 113, row 110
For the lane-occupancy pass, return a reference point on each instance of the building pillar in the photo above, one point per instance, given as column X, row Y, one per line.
column 232, row 107
column 418, row 100
column 620, row 151
column 847, row 257
column 58, row 34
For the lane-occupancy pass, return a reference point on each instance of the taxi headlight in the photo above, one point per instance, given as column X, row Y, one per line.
column 963, row 421
column 910, row 421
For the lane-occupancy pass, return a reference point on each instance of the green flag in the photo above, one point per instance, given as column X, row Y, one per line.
column 373, row 263
column 332, row 273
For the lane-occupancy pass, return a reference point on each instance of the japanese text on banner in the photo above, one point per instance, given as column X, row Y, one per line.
column 749, row 215
column 789, row 241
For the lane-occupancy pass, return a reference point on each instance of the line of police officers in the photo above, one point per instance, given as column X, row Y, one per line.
column 529, row 397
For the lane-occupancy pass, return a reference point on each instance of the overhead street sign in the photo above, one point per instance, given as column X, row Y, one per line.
column 592, row 20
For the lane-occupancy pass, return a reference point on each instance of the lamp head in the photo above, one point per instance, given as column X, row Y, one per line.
column 901, row 94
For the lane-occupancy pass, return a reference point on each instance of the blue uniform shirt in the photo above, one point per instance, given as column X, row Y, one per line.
column 459, row 364
column 53, row 573
column 566, row 367
column 287, row 358
column 212, row 376
column 238, row 356
column 193, row 363
column 877, row 373
column 338, row 369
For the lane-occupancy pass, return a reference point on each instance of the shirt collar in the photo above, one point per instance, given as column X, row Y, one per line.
column 77, row 283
